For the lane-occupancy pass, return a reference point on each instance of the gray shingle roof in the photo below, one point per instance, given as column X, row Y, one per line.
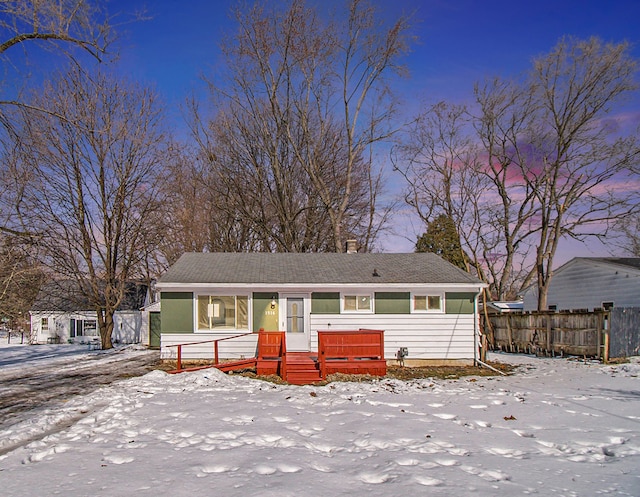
column 314, row 268
column 633, row 262
column 65, row 296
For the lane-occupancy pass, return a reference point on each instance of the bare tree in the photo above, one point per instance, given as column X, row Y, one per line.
column 197, row 211
column 68, row 28
column 20, row 277
column 505, row 110
column 543, row 163
column 628, row 235
column 93, row 183
column 61, row 27
column 79, row 23
column 580, row 181
column 304, row 103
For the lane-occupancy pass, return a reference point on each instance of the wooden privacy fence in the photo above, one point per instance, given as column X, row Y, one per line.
column 551, row 332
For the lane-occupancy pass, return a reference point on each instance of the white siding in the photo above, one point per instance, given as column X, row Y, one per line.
column 56, row 327
column 586, row 284
column 127, row 326
column 427, row 336
column 203, row 348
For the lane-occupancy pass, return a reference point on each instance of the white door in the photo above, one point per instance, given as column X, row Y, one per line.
column 295, row 323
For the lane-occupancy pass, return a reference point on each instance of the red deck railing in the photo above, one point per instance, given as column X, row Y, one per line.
column 272, row 351
column 216, row 359
column 271, row 347
column 355, row 351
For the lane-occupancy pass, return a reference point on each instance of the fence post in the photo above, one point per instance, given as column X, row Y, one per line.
column 607, row 327
column 549, row 340
column 215, row 352
column 179, row 361
column 599, row 335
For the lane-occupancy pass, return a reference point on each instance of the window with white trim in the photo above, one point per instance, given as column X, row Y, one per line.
column 223, row 312
column 357, row 303
column 83, row 328
column 428, row 303
column 44, row 324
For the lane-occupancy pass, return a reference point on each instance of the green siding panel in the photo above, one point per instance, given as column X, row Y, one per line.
column 176, row 312
column 459, row 303
column 263, row 315
column 393, row 303
column 325, row 303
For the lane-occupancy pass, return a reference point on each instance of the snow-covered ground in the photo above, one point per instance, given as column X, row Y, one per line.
column 557, row 427
column 46, row 376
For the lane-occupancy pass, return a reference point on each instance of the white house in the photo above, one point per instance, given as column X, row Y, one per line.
column 591, row 283
column 422, row 302
column 60, row 314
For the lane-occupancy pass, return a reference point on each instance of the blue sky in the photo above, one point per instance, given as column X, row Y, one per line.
column 459, row 41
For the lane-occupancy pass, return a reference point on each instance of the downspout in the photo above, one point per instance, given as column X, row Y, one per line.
column 476, row 333
column 476, row 327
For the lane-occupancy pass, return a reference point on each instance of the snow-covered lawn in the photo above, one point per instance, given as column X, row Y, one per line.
column 557, row 427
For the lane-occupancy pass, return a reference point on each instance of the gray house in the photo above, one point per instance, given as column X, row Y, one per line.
column 421, row 302
column 591, row 283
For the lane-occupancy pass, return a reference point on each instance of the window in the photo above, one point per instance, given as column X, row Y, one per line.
column 83, row 327
column 607, row 306
column 44, row 324
column 357, row 303
column 427, row 303
column 91, row 327
column 218, row 312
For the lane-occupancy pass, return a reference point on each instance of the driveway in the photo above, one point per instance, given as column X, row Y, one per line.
column 36, row 377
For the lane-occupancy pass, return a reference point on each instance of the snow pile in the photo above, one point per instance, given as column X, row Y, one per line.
column 556, row 427
column 632, row 368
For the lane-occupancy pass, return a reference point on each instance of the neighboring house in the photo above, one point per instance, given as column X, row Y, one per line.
column 61, row 314
column 421, row 302
column 591, row 283
column 503, row 306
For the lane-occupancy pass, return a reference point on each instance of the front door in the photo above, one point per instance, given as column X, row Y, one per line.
column 154, row 329
column 294, row 322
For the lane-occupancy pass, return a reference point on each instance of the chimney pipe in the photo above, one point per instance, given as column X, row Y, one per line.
column 352, row 246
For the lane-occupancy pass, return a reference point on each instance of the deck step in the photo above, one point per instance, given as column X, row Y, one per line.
column 302, row 368
column 303, row 379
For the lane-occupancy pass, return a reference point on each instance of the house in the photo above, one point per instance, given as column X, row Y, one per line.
column 591, row 283
column 61, row 314
column 422, row 303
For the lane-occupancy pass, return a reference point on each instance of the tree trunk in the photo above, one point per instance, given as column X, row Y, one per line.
column 106, row 324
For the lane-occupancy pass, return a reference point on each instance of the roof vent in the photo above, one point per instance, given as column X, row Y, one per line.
column 352, row 246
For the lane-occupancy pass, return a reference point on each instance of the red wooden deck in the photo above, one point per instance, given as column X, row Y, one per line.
column 350, row 352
